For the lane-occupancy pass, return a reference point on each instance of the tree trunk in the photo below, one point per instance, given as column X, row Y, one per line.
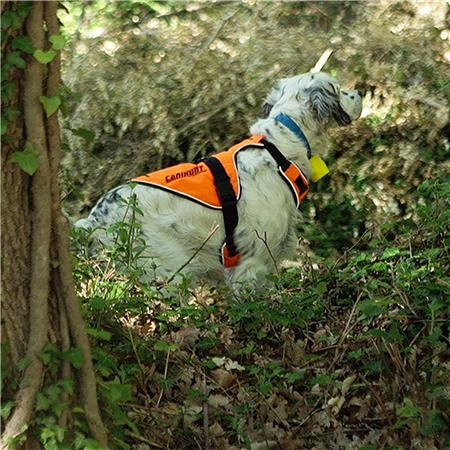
column 39, row 304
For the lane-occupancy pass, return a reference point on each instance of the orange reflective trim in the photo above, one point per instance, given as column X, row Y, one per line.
column 292, row 174
column 195, row 181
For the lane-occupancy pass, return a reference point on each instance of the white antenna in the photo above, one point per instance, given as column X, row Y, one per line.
column 322, row 60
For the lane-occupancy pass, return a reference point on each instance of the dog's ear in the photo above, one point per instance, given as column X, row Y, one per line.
column 325, row 106
column 275, row 94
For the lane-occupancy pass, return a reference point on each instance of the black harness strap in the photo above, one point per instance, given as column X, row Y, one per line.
column 228, row 200
column 279, row 158
column 289, row 172
column 284, row 164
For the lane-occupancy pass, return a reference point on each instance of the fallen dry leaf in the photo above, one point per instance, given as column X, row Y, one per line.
column 218, row 401
column 222, row 377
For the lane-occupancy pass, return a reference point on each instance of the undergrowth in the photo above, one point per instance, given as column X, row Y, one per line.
column 349, row 353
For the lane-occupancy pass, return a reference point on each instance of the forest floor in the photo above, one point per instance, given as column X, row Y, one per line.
column 350, row 353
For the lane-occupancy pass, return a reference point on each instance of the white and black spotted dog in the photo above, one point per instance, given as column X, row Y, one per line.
column 175, row 228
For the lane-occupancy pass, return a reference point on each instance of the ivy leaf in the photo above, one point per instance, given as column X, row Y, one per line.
column 8, row 90
column 50, row 104
column 42, row 402
column 115, row 391
column 14, row 59
column 11, row 114
column 23, row 9
column 11, row 20
column 390, row 252
column 99, row 334
column 27, row 159
column 6, row 409
column 371, row 308
column 74, row 356
column 23, row 363
column 44, row 57
column 58, row 41
column 23, row 44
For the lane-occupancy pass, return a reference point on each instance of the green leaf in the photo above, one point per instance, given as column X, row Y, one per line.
column 50, row 104
column 409, row 410
column 42, row 402
column 23, row 44
column 371, row 308
column 11, row 114
column 11, row 20
column 6, row 19
column 28, row 159
column 292, row 377
column 74, row 356
column 23, row 363
column 14, row 59
column 115, row 391
column 44, row 57
column 5, row 409
column 164, row 346
column 58, row 41
column 8, row 89
column 390, row 252
column 433, row 423
column 67, row 385
column 99, row 334
column 23, row 9
column 321, row 378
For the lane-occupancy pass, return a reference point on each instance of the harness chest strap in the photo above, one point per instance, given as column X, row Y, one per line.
column 290, row 173
column 229, row 253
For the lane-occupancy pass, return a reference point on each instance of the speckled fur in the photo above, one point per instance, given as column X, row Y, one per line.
column 174, row 228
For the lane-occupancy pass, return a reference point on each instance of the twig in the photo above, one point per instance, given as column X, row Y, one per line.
column 264, row 240
column 165, row 377
column 347, row 325
column 218, row 29
column 205, row 414
column 143, row 439
column 378, row 400
column 133, row 344
column 210, row 234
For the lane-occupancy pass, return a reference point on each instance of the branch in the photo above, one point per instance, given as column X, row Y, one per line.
column 40, row 238
column 71, row 307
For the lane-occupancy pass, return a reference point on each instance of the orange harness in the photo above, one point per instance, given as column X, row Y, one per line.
column 214, row 183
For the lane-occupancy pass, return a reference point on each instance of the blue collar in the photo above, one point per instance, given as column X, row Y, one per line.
column 291, row 125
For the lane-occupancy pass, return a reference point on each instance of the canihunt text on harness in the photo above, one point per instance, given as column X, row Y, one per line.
column 214, row 183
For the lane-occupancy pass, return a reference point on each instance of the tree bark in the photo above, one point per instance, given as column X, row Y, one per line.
column 40, row 302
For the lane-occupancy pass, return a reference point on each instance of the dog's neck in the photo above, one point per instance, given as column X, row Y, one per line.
column 288, row 142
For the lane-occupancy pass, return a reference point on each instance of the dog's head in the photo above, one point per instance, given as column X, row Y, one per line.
column 316, row 94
